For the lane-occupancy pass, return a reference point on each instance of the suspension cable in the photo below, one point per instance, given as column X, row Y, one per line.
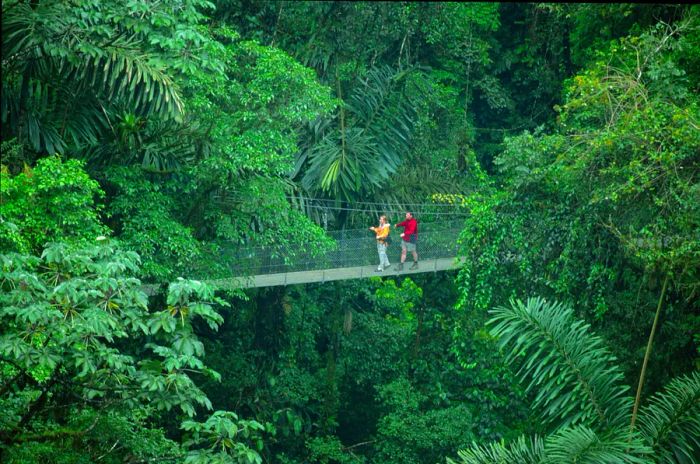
column 326, row 200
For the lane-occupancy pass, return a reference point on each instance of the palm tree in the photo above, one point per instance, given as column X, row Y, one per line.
column 364, row 144
column 578, row 393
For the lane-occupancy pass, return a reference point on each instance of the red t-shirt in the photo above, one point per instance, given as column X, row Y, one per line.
column 410, row 228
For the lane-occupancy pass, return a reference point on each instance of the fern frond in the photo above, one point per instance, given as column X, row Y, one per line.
column 523, row 451
column 670, row 422
column 574, row 376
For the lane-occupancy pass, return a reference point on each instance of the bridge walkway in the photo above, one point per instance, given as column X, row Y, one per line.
column 341, row 273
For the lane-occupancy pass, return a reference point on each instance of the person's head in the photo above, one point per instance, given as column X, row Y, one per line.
column 382, row 219
column 408, row 215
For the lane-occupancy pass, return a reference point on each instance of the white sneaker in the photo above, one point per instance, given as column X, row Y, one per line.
column 379, row 269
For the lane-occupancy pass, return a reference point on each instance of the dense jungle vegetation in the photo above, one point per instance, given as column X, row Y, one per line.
column 142, row 137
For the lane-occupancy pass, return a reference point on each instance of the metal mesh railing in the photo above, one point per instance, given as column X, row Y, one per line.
column 351, row 248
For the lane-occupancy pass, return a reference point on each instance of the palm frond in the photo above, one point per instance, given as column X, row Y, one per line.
column 582, row 445
column 58, row 66
column 122, row 70
column 379, row 106
column 344, row 170
column 156, row 145
column 41, row 133
column 523, row 451
column 670, row 422
column 579, row 445
column 376, row 137
column 575, row 378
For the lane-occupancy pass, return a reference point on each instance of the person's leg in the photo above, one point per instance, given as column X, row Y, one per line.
column 384, row 257
column 412, row 247
column 403, row 256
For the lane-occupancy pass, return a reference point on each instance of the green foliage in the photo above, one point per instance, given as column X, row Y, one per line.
column 490, row 240
column 601, row 209
column 221, row 435
column 523, row 450
column 399, row 302
column 106, row 436
column 670, row 420
column 157, row 146
column 65, row 63
column 592, row 28
column 245, row 122
column 568, row 132
column 410, row 432
column 66, row 320
column 197, row 189
column 54, row 201
column 326, row 450
column 402, row 117
column 147, row 225
column 377, row 349
column 251, row 111
column 363, row 147
column 12, row 154
column 569, row 368
column 645, row 155
column 334, row 366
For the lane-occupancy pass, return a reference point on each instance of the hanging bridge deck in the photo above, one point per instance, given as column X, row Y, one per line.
column 342, row 273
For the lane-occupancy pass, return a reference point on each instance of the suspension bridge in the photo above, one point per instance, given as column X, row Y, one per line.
column 352, row 255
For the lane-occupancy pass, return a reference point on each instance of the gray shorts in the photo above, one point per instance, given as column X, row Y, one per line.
column 408, row 246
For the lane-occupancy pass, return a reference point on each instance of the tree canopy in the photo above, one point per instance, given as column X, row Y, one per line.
column 147, row 145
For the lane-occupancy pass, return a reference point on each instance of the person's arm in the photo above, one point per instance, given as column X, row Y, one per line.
column 383, row 232
column 402, row 224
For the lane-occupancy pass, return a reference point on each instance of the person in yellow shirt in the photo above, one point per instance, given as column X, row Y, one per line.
column 382, row 233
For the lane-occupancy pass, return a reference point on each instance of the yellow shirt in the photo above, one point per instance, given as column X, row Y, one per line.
column 382, row 232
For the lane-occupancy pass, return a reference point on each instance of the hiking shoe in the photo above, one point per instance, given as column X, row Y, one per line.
column 399, row 267
column 415, row 265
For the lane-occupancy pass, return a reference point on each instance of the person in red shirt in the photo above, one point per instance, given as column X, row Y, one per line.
column 409, row 239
